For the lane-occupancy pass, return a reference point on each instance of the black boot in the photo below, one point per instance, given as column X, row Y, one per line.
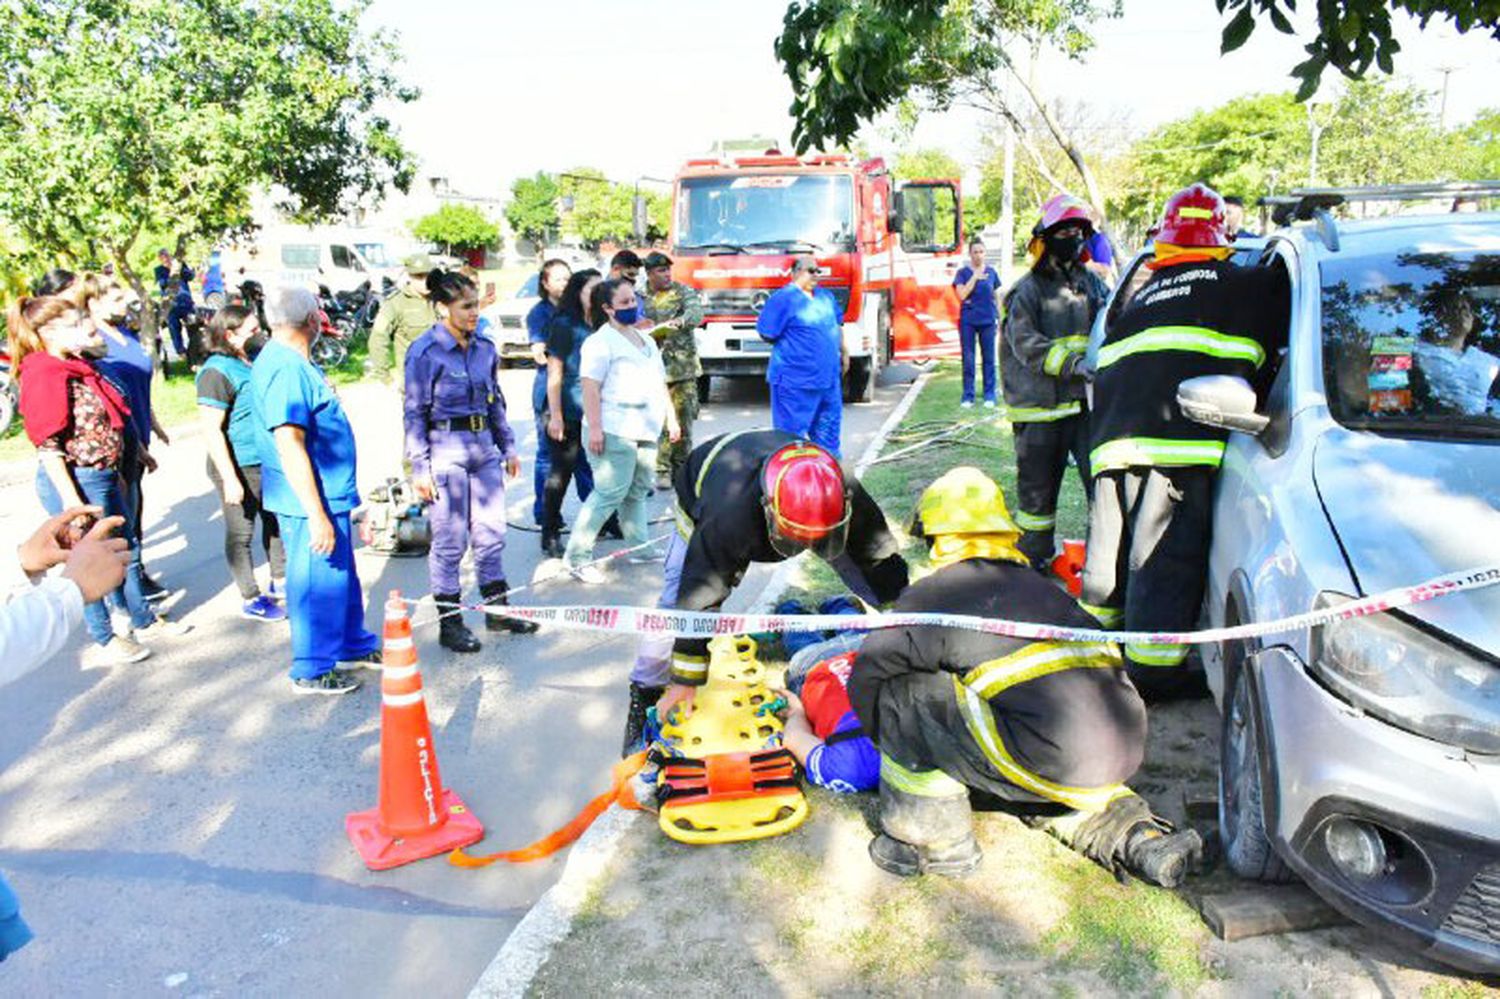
column 1039, row 547
column 552, row 546
column 925, row 834
column 452, row 634
column 641, row 698
column 495, row 593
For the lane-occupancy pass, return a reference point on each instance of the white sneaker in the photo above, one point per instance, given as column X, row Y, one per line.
column 966, row 404
column 118, row 652
column 163, row 628
column 644, row 556
column 989, row 404
column 589, row 575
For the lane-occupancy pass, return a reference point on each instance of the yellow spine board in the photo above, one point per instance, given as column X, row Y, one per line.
column 724, row 722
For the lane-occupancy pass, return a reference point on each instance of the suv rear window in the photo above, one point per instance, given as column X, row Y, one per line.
column 1411, row 341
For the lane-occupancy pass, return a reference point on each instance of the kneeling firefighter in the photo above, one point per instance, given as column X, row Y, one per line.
column 755, row 496
column 1048, row 315
column 1046, row 730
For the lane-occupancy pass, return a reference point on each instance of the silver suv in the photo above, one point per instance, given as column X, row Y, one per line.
column 1364, row 756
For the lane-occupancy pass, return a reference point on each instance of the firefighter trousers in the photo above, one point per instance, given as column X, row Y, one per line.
column 1042, row 451
column 1149, row 532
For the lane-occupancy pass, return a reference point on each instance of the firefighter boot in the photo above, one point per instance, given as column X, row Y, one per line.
column 1162, row 856
column 926, row 833
column 495, row 593
column 452, row 634
column 1039, row 547
column 642, row 697
column 1127, row 837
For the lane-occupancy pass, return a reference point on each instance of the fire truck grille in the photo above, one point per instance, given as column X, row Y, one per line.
column 741, row 301
column 1476, row 914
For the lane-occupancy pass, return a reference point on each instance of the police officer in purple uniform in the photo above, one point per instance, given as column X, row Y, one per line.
column 457, row 438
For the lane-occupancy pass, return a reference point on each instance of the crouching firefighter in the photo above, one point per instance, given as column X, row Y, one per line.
column 1150, row 518
column 755, row 496
column 1046, row 730
column 1048, row 315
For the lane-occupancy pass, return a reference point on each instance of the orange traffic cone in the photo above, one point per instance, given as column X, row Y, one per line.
column 1068, row 566
column 415, row 816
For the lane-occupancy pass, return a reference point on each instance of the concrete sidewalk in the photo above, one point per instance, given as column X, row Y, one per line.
column 177, row 825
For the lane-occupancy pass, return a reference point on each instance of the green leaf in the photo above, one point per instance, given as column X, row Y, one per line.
column 1237, row 31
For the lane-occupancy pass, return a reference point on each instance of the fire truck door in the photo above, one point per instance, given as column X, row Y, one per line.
column 924, row 306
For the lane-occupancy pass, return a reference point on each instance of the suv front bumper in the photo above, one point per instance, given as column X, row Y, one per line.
column 1436, row 808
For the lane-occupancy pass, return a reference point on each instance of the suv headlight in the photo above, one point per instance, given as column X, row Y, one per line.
column 1409, row 678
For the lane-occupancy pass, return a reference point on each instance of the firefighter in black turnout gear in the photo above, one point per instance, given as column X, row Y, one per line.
column 1048, row 315
column 1154, row 469
column 755, row 496
column 1046, row 730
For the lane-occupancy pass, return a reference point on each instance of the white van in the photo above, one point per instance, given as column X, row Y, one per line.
column 339, row 258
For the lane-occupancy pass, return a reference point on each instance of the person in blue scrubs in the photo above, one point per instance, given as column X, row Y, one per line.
column 978, row 317
column 308, row 482
column 551, row 283
column 804, row 325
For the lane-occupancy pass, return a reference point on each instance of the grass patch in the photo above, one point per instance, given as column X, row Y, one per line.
column 1133, row 936
column 1458, row 990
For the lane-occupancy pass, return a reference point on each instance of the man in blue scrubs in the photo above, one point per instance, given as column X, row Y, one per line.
column 307, row 480
column 804, row 325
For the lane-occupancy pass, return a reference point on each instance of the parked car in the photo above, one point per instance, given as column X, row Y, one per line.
column 1364, row 756
column 507, row 318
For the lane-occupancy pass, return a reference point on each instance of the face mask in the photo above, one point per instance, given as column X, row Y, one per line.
column 254, row 344
column 1065, row 248
column 627, row 317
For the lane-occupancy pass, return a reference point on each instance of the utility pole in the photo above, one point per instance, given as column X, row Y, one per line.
column 1443, row 100
column 1316, row 131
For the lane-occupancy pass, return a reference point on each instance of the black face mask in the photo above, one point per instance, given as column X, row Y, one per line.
column 1065, row 249
column 254, row 344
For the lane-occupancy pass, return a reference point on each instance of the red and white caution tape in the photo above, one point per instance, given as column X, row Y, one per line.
column 706, row 624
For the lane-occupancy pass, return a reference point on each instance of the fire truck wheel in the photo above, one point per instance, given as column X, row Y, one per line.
column 859, row 384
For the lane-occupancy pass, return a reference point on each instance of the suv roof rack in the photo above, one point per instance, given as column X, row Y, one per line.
column 1313, row 203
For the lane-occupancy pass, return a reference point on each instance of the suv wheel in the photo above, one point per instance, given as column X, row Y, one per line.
column 1242, row 816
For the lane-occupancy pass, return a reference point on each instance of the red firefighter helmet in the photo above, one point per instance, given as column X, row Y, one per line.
column 1062, row 208
column 806, row 500
column 1194, row 217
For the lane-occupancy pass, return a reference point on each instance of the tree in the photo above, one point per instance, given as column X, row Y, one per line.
column 128, row 117
column 600, row 210
column 913, row 164
column 1481, row 146
column 849, row 60
column 532, row 211
column 455, row 225
column 1373, row 133
column 1352, row 35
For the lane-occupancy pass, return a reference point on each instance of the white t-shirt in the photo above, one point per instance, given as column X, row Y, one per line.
column 632, row 383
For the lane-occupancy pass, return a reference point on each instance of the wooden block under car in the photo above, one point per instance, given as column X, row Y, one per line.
column 1256, row 910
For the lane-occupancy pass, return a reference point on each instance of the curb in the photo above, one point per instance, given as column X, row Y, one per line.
column 529, row 945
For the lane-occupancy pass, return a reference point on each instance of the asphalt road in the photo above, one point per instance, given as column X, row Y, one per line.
column 176, row 826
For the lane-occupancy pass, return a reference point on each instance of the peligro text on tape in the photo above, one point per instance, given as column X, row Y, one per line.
column 706, row 624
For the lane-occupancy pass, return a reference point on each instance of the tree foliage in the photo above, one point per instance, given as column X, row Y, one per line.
column 912, row 164
column 456, row 225
column 1352, row 35
column 127, row 117
column 1374, row 133
column 603, row 211
column 1480, row 146
column 532, row 211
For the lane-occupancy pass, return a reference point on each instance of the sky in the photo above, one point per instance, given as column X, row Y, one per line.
column 510, row 87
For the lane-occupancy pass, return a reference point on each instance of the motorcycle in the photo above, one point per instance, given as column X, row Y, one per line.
column 331, row 347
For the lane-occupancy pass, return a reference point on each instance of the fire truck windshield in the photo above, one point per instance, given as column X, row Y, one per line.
column 765, row 213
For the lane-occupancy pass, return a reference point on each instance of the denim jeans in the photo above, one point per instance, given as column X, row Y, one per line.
column 623, row 476
column 104, row 488
column 982, row 338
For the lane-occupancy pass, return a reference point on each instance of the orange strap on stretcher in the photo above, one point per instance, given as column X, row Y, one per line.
column 619, row 793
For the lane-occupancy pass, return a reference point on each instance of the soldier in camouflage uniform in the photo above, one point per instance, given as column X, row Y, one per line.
column 674, row 311
column 403, row 317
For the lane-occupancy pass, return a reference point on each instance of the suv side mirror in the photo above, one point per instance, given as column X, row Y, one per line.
column 1221, row 401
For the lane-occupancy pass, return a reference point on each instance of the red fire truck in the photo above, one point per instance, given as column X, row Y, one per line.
column 888, row 255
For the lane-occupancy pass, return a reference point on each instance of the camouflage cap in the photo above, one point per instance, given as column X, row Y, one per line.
column 656, row 259
column 417, row 264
